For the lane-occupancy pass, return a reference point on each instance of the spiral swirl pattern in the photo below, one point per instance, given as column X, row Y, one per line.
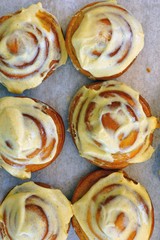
column 31, row 48
column 106, row 39
column 31, row 135
column 115, row 208
column 33, row 212
column 111, row 124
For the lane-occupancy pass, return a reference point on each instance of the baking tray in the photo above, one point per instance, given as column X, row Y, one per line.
column 60, row 87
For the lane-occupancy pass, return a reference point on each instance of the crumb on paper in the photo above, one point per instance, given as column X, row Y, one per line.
column 148, row 69
column 158, row 123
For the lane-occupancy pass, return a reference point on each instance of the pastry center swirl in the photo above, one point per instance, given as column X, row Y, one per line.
column 110, row 119
column 107, row 40
column 33, row 212
column 31, row 48
column 27, row 135
column 115, row 208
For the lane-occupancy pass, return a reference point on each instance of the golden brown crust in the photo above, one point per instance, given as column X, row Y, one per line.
column 83, row 187
column 61, row 137
column 45, row 185
column 71, row 29
column 87, row 182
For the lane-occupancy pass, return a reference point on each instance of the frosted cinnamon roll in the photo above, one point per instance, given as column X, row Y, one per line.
column 103, row 39
column 35, row 212
column 112, row 206
column 31, row 48
column 111, row 124
column 31, row 135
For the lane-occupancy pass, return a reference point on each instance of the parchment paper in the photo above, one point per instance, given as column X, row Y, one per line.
column 58, row 90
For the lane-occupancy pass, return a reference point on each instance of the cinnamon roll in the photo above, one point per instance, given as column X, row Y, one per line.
column 103, row 39
column 34, row 212
column 111, row 124
column 31, row 135
column 112, row 206
column 31, row 48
